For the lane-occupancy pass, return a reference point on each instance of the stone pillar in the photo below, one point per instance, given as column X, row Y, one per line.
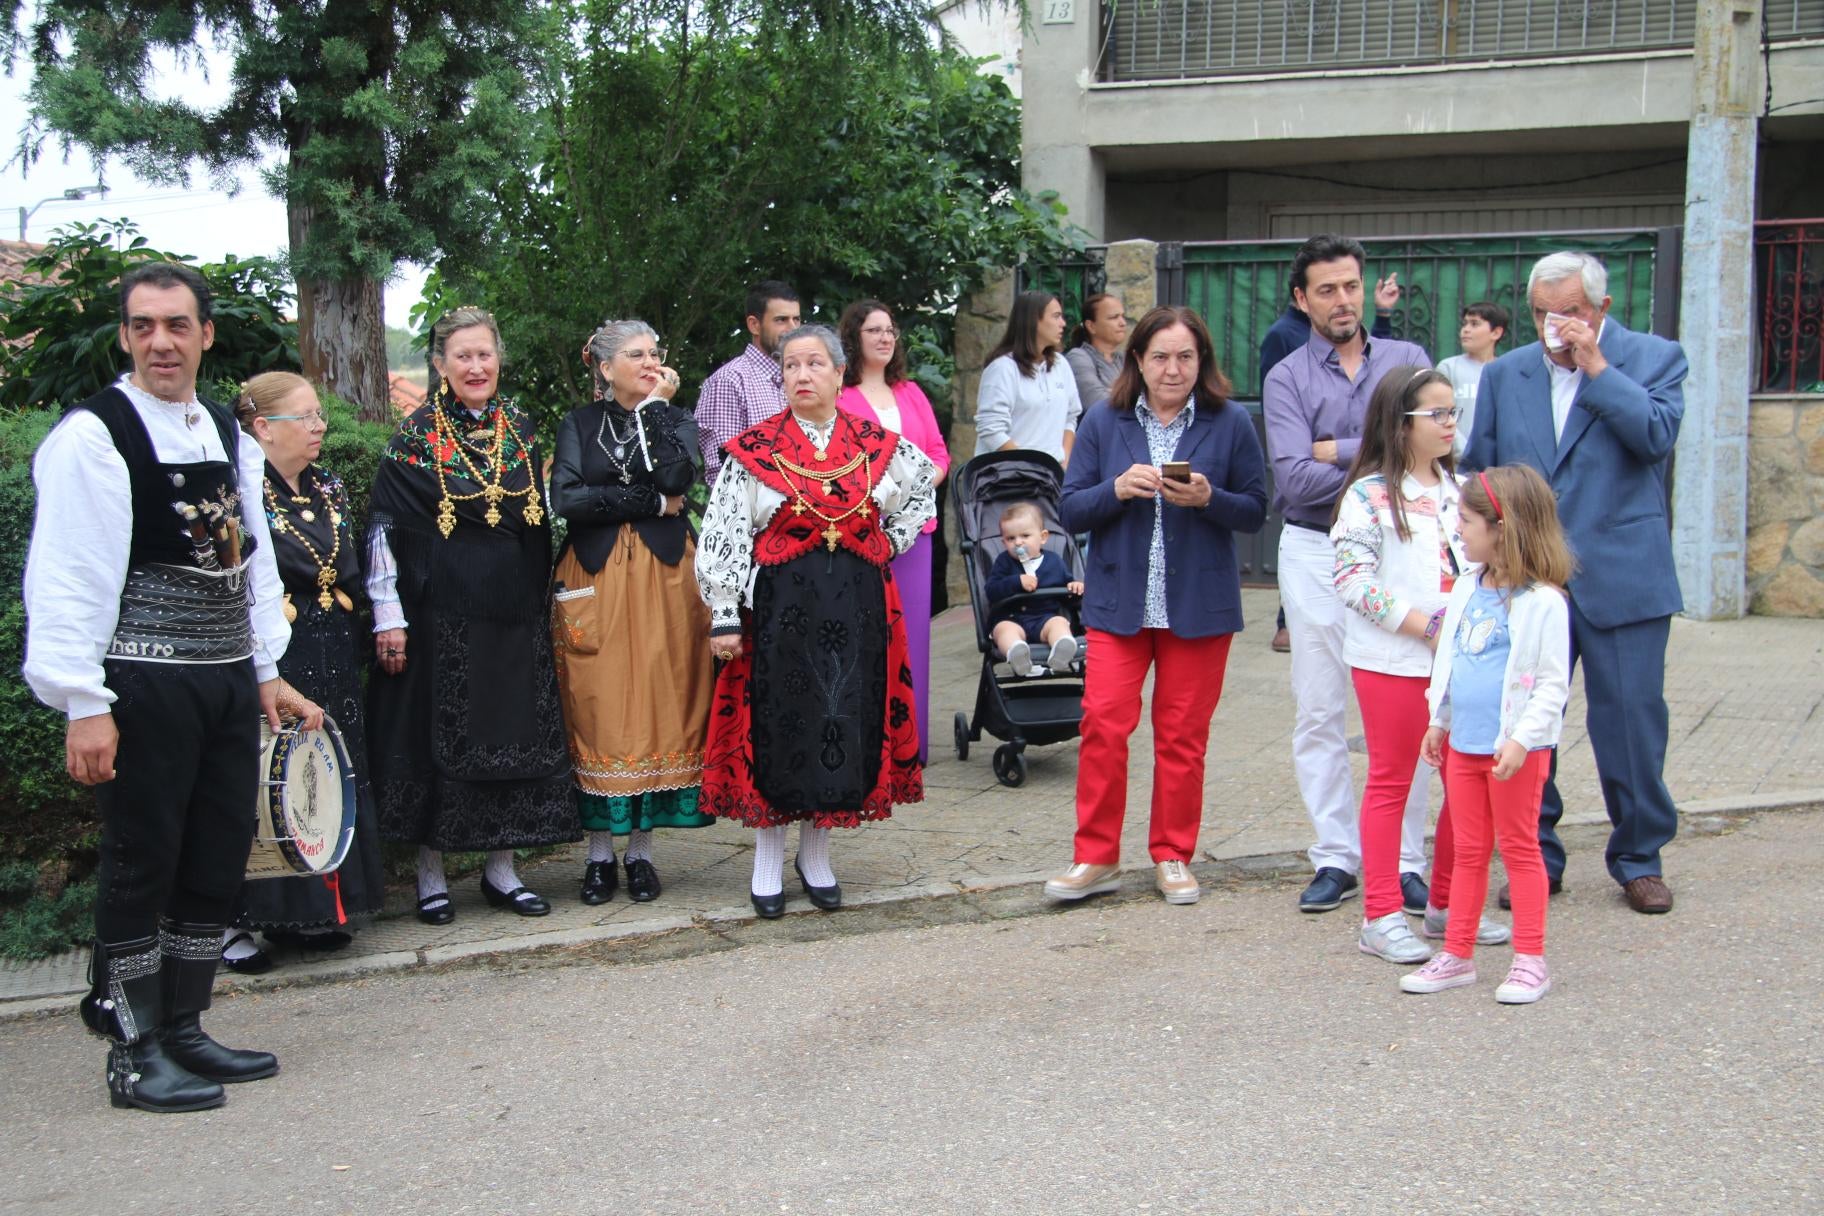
column 1132, row 272
column 1710, row 482
column 981, row 319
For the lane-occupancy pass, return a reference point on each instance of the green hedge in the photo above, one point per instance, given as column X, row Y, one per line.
column 48, row 823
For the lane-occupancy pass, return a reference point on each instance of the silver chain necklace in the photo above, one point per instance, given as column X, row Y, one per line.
column 618, row 457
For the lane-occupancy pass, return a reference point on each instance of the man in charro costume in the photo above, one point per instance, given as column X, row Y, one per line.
column 155, row 623
column 812, row 719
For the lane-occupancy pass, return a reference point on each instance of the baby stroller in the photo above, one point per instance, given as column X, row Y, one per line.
column 1018, row 709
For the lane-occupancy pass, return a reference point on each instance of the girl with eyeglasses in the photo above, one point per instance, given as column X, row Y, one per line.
column 1398, row 554
column 313, row 541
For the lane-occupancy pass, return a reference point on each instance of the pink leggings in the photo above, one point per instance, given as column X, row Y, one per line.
column 1395, row 715
column 1487, row 811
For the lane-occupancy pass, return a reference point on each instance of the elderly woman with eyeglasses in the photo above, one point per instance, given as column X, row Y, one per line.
column 628, row 623
column 812, row 721
column 313, row 542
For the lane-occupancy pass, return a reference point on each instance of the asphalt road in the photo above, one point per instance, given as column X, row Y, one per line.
column 1234, row 1056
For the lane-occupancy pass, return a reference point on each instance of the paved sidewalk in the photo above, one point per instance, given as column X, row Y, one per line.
column 1747, row 729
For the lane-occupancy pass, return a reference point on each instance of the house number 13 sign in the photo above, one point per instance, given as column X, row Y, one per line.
column 1059, row 12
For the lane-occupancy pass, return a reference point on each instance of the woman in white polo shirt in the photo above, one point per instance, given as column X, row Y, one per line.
column 1028, row 396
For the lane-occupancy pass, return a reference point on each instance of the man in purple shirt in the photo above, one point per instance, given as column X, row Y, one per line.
column 1314, row 401
column 747, row 389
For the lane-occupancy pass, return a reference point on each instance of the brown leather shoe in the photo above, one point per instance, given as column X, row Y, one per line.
column 1555, row 886
column 1282, row 641
column 1648, row 894
column 1083, row 880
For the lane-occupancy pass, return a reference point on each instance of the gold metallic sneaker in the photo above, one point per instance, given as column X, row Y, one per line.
column 1083, row 880
column 1175, row 882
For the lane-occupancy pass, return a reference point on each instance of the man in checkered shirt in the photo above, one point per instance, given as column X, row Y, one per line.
column 746, row 389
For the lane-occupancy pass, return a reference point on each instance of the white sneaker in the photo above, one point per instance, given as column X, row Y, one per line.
column 1019, row 657
column 1063, row 654
column 1488, row 933
column 1390, row 937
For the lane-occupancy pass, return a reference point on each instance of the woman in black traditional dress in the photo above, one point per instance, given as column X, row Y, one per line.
column 812, row 721
column 628, row 624
column 313, row 540
column 465, row 732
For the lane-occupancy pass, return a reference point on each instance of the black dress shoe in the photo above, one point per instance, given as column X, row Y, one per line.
column 522, row 900
column 642, row 881
column 186, row 1044
column 1554, row 886
column 1328, row 890
column 770, row 907
column 600, row 879
column 257, row 963
column 437, row 909
column 821, row 897
column 1414, row 894
column 324, row 941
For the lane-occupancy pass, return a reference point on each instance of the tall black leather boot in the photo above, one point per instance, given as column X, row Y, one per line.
column 191, row 954
column 125, row 1005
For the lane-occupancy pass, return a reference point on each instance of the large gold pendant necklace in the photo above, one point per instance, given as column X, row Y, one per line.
column 491, row 490
column 825, row 477
column 326, row 566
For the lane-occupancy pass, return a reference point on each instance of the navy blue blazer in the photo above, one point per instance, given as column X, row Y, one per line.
column 1202, row 578
column 1609, row 469
column 1004, row 579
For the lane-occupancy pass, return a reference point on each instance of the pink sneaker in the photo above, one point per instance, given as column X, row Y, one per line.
column 1445, row 970
column 1527, row 981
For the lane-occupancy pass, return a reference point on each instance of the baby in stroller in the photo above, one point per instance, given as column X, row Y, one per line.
column 1027, row 566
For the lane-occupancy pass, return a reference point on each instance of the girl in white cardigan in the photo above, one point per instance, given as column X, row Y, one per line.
column 1497, row 698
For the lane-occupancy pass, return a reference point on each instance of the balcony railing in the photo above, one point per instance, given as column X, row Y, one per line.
column 1180, row 39
column 1789, row 281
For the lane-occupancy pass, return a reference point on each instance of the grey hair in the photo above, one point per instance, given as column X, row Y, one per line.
column 613, row 337
column 465, row 317
column 1557, row 267
column 823, row 334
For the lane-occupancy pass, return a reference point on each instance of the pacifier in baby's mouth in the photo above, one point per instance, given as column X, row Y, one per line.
column 1019, row 552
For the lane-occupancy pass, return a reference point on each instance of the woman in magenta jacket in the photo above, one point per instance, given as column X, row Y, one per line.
column 875, row 386
column 1162, row 477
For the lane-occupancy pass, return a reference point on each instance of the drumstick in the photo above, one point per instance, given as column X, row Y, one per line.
column 200, row 546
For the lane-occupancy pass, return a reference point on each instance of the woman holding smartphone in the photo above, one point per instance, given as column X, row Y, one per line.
column 1161, row 477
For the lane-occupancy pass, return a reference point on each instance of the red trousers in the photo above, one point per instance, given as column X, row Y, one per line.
column 1395, row 716
column 1186, row 686
column 1487, row 811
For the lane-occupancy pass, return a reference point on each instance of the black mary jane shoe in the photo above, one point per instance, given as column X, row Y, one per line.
column 600, row 879
column 821, row 897
column 437, row 909
column 642, row 881
column 257, row 963
column 522, row 900
column 770, row 907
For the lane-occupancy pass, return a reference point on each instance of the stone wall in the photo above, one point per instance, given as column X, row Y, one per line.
column 981, row 319
column 1786, row 505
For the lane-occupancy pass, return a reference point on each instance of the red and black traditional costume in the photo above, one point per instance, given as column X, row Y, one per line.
column 813, row 721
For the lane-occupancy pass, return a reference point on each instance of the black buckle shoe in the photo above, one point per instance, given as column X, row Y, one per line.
column 821, row 897
column 522, row 900
column 142, row 1076
column 1328, row 890
column 642, row 881
column 600, row 879
column 438, row 909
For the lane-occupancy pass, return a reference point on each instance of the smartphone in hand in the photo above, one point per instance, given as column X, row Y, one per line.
column 1177, row 470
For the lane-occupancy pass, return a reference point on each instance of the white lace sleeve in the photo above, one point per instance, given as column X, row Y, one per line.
column 907, row 495
column 383, row 584
column 725, row 547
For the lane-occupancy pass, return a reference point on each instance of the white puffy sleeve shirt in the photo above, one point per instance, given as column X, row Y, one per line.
column 741, row 505
column 82, row 535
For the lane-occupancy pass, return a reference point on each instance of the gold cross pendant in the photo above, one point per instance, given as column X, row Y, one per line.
column 831, row 535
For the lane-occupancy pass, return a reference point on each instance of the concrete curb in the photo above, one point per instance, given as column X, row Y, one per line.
column 994, row 897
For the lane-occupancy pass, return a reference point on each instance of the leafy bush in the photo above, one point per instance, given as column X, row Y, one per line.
column 61, row 336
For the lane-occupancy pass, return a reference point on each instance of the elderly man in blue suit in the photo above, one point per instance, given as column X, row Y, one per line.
column 1595, row 407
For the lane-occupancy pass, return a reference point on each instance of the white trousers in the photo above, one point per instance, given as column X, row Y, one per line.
column 1321, row 688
